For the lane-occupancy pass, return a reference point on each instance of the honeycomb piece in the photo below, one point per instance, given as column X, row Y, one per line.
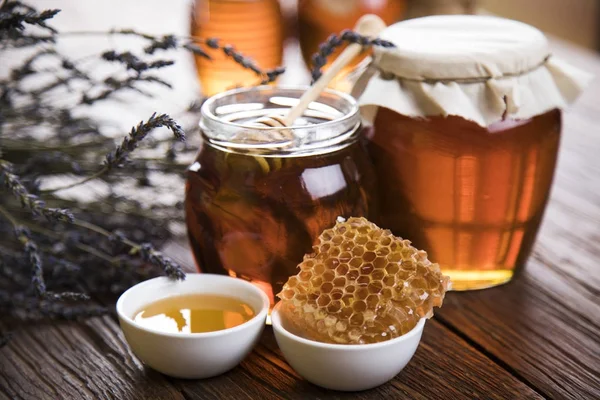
column 360, row 285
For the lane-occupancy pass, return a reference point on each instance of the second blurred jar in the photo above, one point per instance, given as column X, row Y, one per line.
column 320, row 18
column 253, row 27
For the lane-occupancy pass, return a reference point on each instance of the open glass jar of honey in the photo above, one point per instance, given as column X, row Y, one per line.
column 257, row 197
column 466, row 122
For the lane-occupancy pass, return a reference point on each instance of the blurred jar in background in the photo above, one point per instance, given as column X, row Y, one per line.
column 318, row 19
column 253, row 27
column 423, row 8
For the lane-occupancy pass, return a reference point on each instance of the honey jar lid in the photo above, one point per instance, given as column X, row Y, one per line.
column 481, row 68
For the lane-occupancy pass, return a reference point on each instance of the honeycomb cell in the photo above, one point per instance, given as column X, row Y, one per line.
column 358, row 251
column 361, row 240
column 389, row 281
column 304, row 276
column 342, row 269
column 361, row 293
column 379, row 262
column 371, row 246
column 375, row 287
column 327, row 287
column 378, row 274
column 363, row 280
column 367, row 269
column 323, row 300
column 345, row 256
column 352, row 274
column 319, row 269
column 346, row 312
column 328, row 275
column 347, row 245
column 382, row 251
column 337, row 239
column 334, row 307
column 340, row 281
column 349, row 234
column 359, row 306
column 369, row 256
column 372, row 301
column 385, row 241
column 361, row 285
column 392, row 268
column 337, row 294
column 356, row 262
column 357, row 319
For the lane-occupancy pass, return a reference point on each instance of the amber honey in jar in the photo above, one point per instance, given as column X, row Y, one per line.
column 465, row 118
column 258, row 197
column 252, row 27
column 317, row 19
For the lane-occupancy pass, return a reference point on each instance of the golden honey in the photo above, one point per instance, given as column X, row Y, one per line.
column 473, row 197
column 253, row 27
column 195, row 313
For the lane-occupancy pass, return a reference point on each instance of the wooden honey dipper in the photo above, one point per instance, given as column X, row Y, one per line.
column 368, row 25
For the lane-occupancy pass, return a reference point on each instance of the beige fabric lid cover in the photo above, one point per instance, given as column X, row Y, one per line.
column 476, row 67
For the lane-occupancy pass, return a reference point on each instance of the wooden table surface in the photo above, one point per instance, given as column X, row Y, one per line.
column 537, row 337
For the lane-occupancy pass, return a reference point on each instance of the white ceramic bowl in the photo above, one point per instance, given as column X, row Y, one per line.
column 346, row 367
column 192, row 355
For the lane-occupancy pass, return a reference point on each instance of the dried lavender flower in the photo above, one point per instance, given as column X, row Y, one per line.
column 28, row 200
column 327, row 48
column 117, row 157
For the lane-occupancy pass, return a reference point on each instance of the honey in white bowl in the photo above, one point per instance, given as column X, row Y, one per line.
column 194, row 313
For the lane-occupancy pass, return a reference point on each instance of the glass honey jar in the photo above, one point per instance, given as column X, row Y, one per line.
column 257, row 197
column 253, row 27
column 317, row 19
column 465, row 123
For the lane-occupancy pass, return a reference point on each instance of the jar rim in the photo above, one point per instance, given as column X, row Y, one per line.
column 340, row 109
column 206, row 111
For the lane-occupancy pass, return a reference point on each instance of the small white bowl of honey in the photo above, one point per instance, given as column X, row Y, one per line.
column 196, row 328
column 346, row 367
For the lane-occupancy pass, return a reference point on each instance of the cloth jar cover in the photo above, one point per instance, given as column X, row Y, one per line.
column 481, row 68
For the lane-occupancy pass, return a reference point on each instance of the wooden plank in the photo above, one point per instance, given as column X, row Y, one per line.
column 538, row 326
column 90, row 360
column 86, row 360
column 443, row 367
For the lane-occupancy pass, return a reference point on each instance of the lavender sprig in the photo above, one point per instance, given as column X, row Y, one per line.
column 146, row 251
column 117, row 157
column 194, row 45
column 37, row 272
column 14, row 15
column 28, row 200
column 134, row 63
column 170, row 267
column 319, row 59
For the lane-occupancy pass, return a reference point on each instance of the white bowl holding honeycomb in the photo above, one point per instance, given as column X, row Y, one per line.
column 346, row 367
